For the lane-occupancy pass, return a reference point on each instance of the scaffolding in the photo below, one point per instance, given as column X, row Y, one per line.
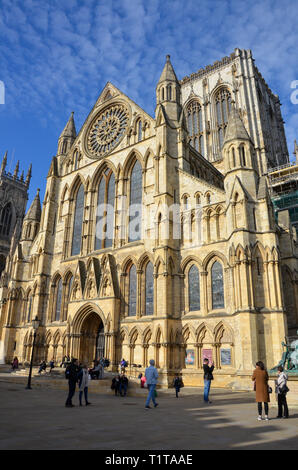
column 283, row 181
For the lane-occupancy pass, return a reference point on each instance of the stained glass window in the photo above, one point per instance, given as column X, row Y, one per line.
column 78, row 222
column 195, row 126
column 105, row 211
column 139, row 130
column 70, row 282
column 110, row 212
column 223, row 107
column 149, row 289
column 194, row 288
column 5, row 221
column 132, row 301
column 58, row 291
column 217, row 286
column 135, row 207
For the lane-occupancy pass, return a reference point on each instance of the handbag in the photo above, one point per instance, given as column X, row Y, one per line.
column 269, row 389
column 284, row 390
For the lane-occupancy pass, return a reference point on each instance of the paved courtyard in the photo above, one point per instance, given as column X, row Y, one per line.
column 37, row 419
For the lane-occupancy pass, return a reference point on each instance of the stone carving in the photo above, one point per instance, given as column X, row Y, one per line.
column 107, row 130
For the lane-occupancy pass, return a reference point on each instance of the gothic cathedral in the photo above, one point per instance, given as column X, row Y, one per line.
column 157, row 237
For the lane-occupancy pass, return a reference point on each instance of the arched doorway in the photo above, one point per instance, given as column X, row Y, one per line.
column 91, row 339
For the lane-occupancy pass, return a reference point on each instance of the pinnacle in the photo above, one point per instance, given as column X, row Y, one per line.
column 70, row 128
column 168, row 73
column 235, row 128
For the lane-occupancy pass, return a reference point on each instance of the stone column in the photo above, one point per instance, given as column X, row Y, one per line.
column 205, row 292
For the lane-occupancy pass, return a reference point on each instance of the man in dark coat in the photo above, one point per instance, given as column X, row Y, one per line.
column 208, row 376
column 71, row 374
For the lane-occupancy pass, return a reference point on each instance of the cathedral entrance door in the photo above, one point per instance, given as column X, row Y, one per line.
column 92, row 339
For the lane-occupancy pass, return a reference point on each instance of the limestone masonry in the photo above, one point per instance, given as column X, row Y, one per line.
column 157, row 236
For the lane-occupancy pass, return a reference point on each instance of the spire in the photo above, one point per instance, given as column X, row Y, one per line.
column 168, row 94
column 16, row 171
column 235, row 129
column 70, row 128
column 168, row 73
column 4, row 163
column 67, row 136
column 28, row 177
column 34, row 212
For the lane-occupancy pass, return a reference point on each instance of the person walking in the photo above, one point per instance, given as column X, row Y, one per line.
column 208, row 376
column 151, row 375
column 15, row 364
column 177, row 384
column 123, row 384
column 42, row 366
column 71, row 374
column 282, row 390
column 260, row 378
column 116, row 384
column 83, row 377
column 51, row 365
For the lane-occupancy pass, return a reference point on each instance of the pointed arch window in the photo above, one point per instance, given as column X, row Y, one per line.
column 5, row 220
column 223, row 108
column 78, row 222
column 194, row 288
column 58, row 292
column 29, row 308
column 76, row 157
column 217, row 286
column 132, row 301
column 242, row 155
column 149, row 289
column 70, row 283
column 195, row 126
column 135, row 203
column 104, row 232
column 139, row 130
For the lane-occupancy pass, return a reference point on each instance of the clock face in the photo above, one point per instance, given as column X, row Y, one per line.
column 107, row 130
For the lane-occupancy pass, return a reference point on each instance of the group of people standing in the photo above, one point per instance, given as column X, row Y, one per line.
column 260, row 378
column 120, row 384
column 76, row 374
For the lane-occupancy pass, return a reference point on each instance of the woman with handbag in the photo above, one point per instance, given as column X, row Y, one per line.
column 281, row 390
column 262, row 389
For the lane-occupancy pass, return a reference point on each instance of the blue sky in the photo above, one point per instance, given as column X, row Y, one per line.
column 57, row 55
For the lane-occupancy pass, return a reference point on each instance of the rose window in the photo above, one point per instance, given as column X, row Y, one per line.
column 107, row 130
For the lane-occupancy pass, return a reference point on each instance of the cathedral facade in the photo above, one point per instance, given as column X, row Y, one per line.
column 157, row 236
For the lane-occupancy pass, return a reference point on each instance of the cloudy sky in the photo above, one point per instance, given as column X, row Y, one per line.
column 57, row 55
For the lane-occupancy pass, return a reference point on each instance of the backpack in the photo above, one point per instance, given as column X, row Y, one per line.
column 67, row 373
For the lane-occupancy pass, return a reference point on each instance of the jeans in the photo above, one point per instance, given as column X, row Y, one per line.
column 124, row 388
column 282, row 404
column 266, row 408
column 151, row 389
column 71, row 392
column 85, row 394
column 207, row 384
column 177, row 391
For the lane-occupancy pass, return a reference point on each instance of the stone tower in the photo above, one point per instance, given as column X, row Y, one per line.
column 13, row 200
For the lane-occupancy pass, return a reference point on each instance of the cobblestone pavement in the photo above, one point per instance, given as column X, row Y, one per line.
column 38, row 419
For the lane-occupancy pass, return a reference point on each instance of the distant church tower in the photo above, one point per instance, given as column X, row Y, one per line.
column 13, row 200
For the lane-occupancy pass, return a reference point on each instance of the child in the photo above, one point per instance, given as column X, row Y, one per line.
column 143, row 381
column 177, row 384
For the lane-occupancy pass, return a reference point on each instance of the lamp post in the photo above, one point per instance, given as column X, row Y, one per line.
column 35, row 325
